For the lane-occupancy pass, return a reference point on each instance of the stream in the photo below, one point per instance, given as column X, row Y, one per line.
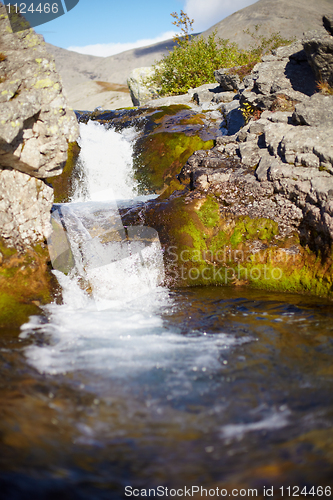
column 125, row 388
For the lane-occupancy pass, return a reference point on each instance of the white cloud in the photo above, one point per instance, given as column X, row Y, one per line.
column 109, row 49
column 210, row 12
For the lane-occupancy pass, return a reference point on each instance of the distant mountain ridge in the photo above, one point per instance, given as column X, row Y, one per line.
column 80, row 72
column 289, row 17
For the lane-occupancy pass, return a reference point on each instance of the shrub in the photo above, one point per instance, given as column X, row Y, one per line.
column 193, row 60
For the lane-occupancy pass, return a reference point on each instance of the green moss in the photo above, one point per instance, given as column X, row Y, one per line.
column 209, row 213
column 174, row 185
column 160, row 157
column 193, row 120
column 13, row 312
column 6, row 251
column 25, row 283
column 247, row 228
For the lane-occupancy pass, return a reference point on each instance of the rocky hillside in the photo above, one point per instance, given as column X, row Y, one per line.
column 85, row 76
column 290, row 18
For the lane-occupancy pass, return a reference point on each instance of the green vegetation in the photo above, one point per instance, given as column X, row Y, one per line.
column 159, row 158
column 193, row 60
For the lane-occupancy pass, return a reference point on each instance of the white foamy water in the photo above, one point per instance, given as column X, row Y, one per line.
column 110, row 321
column 106, row 163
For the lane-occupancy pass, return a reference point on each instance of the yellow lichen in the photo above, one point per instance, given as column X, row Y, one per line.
column 43, row 84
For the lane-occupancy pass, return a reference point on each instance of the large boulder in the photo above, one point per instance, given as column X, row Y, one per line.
column 319, row 50
column 140, row 86
column 36, row 126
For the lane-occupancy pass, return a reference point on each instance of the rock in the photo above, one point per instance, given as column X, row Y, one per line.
column 223, row 97
column 35, row 121
column 280, row 81
column 316, row 112
column 141, row 88
column 227, row 78
column 24, row 219
column 280, row 116
column 206, row 93
column 186, row 99
column 319, row 51
column 209, row 96
column 328, row 23
column 36, row 126
column 249, row 153
column 233, row 115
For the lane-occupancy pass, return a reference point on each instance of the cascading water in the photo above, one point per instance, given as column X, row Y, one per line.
column 117, row 326
column 127, row 383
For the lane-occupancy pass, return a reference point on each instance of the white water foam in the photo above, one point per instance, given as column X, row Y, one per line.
column 106, row 163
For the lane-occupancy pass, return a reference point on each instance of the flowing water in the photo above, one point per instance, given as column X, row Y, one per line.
column 128, row 384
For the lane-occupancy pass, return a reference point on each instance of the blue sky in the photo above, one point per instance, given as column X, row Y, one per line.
column 105, row 27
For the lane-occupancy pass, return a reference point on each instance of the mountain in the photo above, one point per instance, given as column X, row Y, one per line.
column 91, row 81
column 289, row 17
column 84, row 77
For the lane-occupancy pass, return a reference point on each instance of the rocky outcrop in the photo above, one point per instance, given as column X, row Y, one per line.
column 319, row 51
column 257, row 209
column 36, row 126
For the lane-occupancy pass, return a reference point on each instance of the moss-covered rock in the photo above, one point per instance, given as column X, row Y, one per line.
column 25, row 284
column 160, row 157
column 203, row 247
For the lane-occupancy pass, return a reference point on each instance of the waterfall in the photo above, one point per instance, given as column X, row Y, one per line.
column 111, row 319
column 106, row 164
column 114, row 261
